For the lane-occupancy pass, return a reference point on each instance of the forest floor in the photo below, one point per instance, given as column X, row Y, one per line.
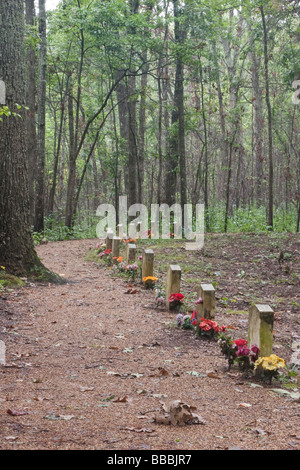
column 89, row 366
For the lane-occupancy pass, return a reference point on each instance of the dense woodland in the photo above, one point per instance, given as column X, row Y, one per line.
column 163, row 101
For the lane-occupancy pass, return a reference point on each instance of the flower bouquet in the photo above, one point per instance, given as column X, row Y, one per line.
column 175, row 301
column 209, row 328
column 269, row 367
column 131, row 270
column 160, row 298
column 245, row 357
column 227, row 348
column 186, row 322
column 106, row 256
column 149, row 281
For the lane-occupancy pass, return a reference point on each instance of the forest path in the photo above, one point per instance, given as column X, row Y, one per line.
column 88, row 365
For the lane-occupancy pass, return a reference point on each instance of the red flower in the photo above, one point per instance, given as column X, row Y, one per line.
column 107, row 251
column 205, row 326
column 240, row 342
column 176, row 297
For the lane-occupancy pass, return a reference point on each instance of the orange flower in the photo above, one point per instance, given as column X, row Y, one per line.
column 149, row 278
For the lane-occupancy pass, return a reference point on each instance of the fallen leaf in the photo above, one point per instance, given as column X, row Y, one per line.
column 86, row 389
column 138, row 429
column 178, row 413
column 261, row 432
column 66, row 417
column 161, row 373
column 120, row 400
column 17, row 413
column 212, row 374
column 196, row 374
column 245, row 405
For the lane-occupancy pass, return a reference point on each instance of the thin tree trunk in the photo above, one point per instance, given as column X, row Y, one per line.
column 41, row 133
column 269, row 109
column 72, row 165
column 31, row 94
column 56, row 156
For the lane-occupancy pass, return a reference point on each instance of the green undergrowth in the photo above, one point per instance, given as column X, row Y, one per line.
column 241, row 220
column 10, row 281
column 42, row 274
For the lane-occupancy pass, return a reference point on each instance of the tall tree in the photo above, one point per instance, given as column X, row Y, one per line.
column 31, row 95
column 269, row 110
column 17, row 251
column 41, row 132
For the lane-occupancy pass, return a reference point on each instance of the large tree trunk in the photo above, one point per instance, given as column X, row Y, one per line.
column 17, row 252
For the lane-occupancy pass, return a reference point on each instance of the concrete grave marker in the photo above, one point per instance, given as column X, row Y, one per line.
column 206, row 309
column 173, row 281
column 147, row 264
column 115, row 247
column 260, row 330
column 131, row 253
column 108, row 240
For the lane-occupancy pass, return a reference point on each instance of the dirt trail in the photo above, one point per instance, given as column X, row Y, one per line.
column 88, row 365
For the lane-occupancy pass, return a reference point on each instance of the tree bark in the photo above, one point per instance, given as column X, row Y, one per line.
column 41, row 132
column 31, row 95
column 258, row 126
column 17, row 253
column 269, row 109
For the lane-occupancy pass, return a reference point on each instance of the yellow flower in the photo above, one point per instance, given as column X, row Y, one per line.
column 272, row 362
column 3, row 267
column 149, row 278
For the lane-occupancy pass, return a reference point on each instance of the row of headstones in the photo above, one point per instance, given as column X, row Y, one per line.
column 261, row 317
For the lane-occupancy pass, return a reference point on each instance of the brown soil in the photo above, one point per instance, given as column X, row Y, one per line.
column 88, row 365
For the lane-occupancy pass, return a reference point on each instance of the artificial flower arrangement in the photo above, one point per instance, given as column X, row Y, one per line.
column 131, row 271
column 268, row 367
column 226, row 345
column 236, row 351
column 149, row 281
column 100, row 248
column 176, row 301
column 120, row 264
column 186, row 322
column 106, row 256
column 129, row 240
column 206, row 327
column 245, row 357
column 160, row 297
column 209, row 328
